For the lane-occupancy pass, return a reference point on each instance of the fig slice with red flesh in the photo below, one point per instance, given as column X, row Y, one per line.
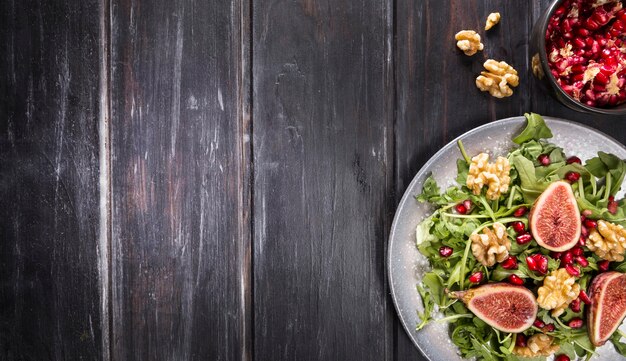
column 555, row 218
column 608, row 306
column 503, row 306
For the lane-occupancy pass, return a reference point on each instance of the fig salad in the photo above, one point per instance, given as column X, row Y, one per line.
column 527, row 252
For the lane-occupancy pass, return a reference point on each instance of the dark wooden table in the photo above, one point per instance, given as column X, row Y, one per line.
column 215, row 180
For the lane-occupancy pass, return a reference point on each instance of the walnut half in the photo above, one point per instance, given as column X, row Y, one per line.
column 558, row 291
column 492, row 20
column 491, row 245
column 469, row 42
column 608, row 241
column 537, row 345
column 498, row 80
column 494, row 175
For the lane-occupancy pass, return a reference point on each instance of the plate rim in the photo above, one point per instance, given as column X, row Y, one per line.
column 425, row 168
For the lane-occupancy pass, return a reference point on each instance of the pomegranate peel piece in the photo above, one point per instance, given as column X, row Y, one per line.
column 555, row 219
column 503, row 306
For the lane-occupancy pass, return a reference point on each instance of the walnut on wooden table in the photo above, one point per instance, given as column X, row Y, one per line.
column 492, row 20
column 469, row 42
column 498, row 79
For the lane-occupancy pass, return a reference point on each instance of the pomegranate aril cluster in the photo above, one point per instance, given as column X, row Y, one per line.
column 585, row 45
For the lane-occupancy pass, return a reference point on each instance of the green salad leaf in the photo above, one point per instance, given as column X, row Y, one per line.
column 536, row 129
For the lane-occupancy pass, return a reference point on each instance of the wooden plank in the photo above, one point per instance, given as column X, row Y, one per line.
column 179, row 143
column 436, row 95
column 322, row 179
column 49, row 110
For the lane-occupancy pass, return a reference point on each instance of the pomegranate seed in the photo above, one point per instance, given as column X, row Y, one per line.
column 460, row 208
column 544, row 159
column 579, row 43
column 582, row 240
column 603, row 266
column 476, row 277
column 590, row 223
column 582, row 261
column 577, row 69
column 583, row 33
column 584, row 297
column 445, row 251
column 590, row 24
column 539, row 324
column 567, row 258
column 520, row 340
column 572, row 176
column 575, row 323
column 509, row 263
column 601, row 78
column 542, row 263
column 532, row 264
column 577, row 251
column 467, row 204
column 583, row 230
column 518, row 226
column 549, row 328
column 575, row 305
column 520, row 211
column 523, row 238
column 612, row 206
column 562, row 357
column 572, row 270
column 586, row 212
column 574, row 159
column 516, row 280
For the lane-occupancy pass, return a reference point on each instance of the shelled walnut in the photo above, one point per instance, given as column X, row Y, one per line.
column 498, row 80
column 492, row 20
column 494, row 175
column 608, row 241
column 558, row 291
column 537, row 345
column 469, row 42
column 492, row 245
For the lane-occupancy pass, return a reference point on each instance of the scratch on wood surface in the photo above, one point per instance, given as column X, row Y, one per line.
column 219, row 98
column 104, row 150
column 176, row 81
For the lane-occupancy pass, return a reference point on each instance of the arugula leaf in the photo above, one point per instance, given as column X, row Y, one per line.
column 536, row 129
column 434, row 283
column 423, row 237
column 619, row 345
column 462, row 169
column 429, row 306
column 531, row 188
column 430, row 190
column 605, row 164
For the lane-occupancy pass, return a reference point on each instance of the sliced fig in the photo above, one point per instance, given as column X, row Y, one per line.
column 555, row 218
column 608, row 306
column 505, row 307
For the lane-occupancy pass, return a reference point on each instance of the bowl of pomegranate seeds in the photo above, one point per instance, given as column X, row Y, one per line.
column 578, row 49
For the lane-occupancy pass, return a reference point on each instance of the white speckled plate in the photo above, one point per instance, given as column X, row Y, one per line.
column 407, row 265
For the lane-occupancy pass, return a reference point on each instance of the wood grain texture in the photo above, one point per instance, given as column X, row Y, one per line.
column 49, row 294
column 323, row 138
column 180, row 228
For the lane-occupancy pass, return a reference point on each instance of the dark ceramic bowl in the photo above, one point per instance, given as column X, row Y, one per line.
column 541, row 69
